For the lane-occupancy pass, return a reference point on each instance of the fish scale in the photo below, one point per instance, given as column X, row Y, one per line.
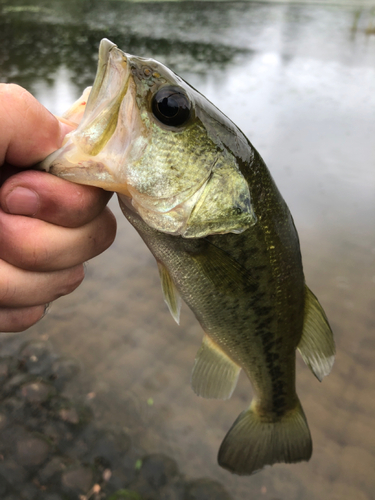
column 217, row 305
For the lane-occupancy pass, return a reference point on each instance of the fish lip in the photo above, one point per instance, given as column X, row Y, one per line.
column 111, row 80
column 105, row 47
column 104, row 54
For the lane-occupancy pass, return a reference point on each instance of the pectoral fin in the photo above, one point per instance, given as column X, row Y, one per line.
column 316, row 346
column 171, row 296
column 214, row 374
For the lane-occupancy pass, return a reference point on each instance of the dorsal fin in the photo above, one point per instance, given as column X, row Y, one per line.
column 171, row 296
column 316, row 346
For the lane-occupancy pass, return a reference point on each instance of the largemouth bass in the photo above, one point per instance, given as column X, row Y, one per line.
column 205, row 204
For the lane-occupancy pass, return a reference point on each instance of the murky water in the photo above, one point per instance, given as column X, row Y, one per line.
column 299, row 80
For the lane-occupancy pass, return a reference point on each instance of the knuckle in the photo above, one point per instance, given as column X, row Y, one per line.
column 74, row 278
column 33, row 257
column 7, row 286
column 7, row 292
column 108, row 229
column 99, row 234
column 30, row 316
column 22, row 242
column 78, row 276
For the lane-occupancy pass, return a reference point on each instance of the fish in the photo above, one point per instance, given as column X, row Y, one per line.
column 203, row 201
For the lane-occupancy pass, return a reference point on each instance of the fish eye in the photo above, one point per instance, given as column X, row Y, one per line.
column 171, row 106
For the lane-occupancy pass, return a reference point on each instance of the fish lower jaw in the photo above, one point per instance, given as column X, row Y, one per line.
column 88, row 173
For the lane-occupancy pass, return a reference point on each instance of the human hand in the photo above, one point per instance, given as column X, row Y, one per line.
column 48, row 226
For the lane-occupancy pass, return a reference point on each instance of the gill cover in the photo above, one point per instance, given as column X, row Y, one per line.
column 224, row 205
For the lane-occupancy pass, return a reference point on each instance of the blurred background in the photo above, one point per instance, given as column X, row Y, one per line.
column 95, row 399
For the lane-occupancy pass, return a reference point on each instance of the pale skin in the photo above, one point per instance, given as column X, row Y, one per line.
column 48, row 226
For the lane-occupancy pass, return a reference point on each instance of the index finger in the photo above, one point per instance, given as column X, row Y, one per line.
column 55, row 200
column 29, row 131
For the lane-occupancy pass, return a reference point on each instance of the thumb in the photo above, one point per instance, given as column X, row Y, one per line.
column 29, row 131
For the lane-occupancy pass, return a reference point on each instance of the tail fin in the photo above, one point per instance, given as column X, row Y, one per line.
column 252, row 442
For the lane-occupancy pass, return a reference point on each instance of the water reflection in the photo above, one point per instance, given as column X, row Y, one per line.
column 69, row 38
column 300, row 81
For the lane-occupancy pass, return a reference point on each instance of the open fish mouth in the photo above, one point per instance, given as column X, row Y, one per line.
column 102, row 109
column 91, row 153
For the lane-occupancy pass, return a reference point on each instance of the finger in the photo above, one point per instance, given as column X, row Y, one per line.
column 20, row 288
column 18, row 320
column 35, row 245
column 46, row 197
column 29, row 132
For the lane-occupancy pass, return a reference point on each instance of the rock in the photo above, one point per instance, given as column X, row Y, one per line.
column 73, row 414
column 3, row 486
column 69, row 415
column 109, row 448
column 29, row 492
column 56, row 431
column 12, row 472
column 37, row 392
column 206, row 489
column 51, row 470
column 4, row 368
column 155, row 472
column 52, row 496
column 158, row 469
column 32, row 450
column 3, row 421
column 12, row 384
column 8, row 438
column 77, row 450
column 79, row 479
column 15, row 408
column 37, row 357
column 116, row 481
column 125, row 495
column 63, row 370
column 124, row 475
column 175, row 491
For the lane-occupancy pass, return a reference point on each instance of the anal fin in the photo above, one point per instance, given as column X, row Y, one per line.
column 316, row 346
column 171, row 296
column 214, row 374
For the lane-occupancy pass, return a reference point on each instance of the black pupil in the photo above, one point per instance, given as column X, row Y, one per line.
column 171, row 106
column 168, row 106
